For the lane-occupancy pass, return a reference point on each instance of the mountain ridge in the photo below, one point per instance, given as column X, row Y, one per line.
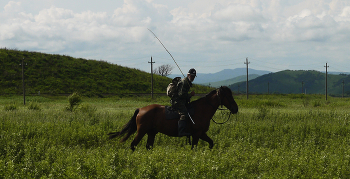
column 222, row 75
column 292, row 82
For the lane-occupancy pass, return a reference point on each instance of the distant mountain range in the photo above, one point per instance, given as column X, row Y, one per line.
column 294, row 82
column 226, row 74
column 232, row 80
column 282, row 82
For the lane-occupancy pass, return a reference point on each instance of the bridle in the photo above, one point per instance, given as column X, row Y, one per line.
column 219, row 98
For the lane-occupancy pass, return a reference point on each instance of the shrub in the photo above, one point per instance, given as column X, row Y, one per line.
column 10, row 107
column 262, row 112
column 317, row 103
column 87, row 109
column 74, row 100
column 306, row 102
column 34, row 106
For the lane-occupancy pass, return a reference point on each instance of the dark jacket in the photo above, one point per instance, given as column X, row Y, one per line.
column 182, row 96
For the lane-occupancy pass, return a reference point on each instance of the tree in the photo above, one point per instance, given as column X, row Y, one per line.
column 163, row 70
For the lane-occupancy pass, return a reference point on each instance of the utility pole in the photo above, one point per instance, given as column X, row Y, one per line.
column 151, row 77
column 343, row 90
column 23, row 85
column 302, row 87
column 246, row 62
column 268, row 87
column 326, row 80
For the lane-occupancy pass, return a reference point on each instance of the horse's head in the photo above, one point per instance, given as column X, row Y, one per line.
column 225, row 97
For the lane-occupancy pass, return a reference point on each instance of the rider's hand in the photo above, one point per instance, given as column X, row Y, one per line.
column 193, row 93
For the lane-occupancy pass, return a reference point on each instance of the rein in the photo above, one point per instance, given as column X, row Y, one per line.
column 217, row 94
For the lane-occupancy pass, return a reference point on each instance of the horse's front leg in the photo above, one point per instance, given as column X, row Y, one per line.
column 195, row 139
column 206, row 138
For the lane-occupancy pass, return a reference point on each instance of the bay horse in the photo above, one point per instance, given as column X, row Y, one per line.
column 151, row 119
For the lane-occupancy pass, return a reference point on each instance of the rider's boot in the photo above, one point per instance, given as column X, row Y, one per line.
column 182, row 127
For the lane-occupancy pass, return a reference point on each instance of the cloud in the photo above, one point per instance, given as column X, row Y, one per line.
column 13, row 6
column 237, row 12
column 192, row 30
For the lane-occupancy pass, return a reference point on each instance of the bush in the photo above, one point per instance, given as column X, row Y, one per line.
column 317, row 104
column 262, row 112
column 34, row 106
column 88, row 109
column 10, row 107
column 74, row 100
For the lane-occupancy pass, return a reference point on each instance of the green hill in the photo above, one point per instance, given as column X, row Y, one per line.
column 290, row 82
column 55, row 74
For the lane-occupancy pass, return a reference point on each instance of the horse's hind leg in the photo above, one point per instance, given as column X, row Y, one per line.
column 189, row 140
column 205, row 137
column 150, row 139
column 137, row 139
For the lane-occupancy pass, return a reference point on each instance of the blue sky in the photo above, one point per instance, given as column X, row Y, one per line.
column 209, row 35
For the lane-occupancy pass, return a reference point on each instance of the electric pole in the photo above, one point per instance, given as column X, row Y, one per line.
column 151, row 77
column 23, row 85
column 302, row 87
column 268, row 87
column 246, row 62
column 343, row 90
column 326, row 80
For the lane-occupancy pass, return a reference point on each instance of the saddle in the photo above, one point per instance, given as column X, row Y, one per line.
column 171, row 113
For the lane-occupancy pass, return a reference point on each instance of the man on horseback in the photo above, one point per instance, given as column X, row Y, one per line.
column 181, row 98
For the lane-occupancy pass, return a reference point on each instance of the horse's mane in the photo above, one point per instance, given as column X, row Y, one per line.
column 212, row 93
column 203, row 98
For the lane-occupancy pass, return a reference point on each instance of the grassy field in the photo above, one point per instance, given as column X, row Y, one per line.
column 272, row 136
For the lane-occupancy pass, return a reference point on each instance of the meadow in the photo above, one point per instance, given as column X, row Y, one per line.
column 272, row 136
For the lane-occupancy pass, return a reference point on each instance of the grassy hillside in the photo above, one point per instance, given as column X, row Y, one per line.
column 54, row 74
column 289, row 81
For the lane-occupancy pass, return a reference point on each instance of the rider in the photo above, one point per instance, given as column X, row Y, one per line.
column 179, row 101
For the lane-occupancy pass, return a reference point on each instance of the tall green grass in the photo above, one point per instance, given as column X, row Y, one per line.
column 270, row 137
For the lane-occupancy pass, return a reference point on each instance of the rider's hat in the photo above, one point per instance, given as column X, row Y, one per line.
column 192, row 72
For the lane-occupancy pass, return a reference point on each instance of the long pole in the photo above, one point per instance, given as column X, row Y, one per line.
column 168, row 52
column 302, row 87
column 151, row 77
column 23, row 85
column 326, row 81
column 247, row 76
column 343, row 90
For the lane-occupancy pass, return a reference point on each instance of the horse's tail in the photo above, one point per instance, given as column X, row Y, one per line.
column 128, row 128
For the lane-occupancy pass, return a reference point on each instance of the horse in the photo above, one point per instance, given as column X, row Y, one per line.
column 151, row 119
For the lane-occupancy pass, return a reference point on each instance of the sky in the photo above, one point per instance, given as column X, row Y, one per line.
column 208, row 35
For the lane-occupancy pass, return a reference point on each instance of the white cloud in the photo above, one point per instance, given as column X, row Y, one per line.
column 238, row 12
column 13, row 6
column 193, row 31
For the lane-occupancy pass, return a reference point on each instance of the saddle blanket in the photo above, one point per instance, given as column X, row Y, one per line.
column 171, row 113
